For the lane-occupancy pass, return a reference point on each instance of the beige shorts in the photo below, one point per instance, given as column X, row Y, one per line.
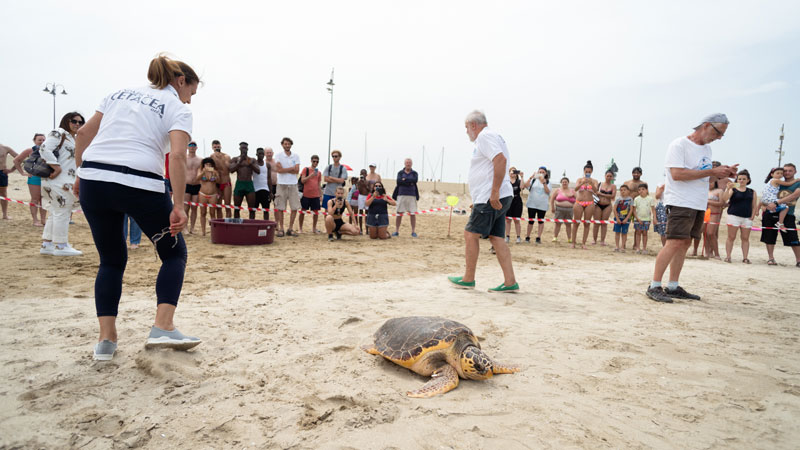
column 406, row 203
column 287, row 192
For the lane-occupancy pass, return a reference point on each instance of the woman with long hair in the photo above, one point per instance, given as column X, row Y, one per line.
column 606, row 193
column 538, row 200
column 121, row 152
column 583, row 208
column 38, row 213
column 515, row 210
column 743, row 208
column 58, row 151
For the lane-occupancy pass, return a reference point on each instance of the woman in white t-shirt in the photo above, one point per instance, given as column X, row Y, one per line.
column 538, row 201
column 121, row 152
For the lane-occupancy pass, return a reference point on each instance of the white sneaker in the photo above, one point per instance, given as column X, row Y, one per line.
column 47, row 249
column 67, row 250
column 518, row 240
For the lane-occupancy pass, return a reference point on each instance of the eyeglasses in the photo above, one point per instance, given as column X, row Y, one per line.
column 192, row 145
column 715, row 129
column 337, row 156
column 77, row 122
column 314, row 160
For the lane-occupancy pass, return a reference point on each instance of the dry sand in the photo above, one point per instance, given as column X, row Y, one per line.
column 280, row 367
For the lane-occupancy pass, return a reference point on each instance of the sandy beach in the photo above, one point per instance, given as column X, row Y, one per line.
column 280, row 365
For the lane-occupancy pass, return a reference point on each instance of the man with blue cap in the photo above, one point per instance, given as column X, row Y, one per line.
column 689, row 167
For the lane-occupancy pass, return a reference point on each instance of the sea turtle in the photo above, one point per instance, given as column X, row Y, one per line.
column 433, row 346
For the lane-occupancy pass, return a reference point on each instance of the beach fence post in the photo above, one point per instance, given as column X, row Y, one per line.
column 452, row 201
column 450, row 222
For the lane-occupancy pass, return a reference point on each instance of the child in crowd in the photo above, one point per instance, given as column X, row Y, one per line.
column 644, row 211
column 363, row 192
column 660, row 222
column 352, row 199
column 770, row 195
column 623, row 208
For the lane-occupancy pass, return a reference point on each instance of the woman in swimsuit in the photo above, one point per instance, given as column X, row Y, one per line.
column 584, row 203
column 715, row 205
column 561, row 201
column 606, row 194
column 515, row 210
column 372, row 178
column 334, row 223
column 207, row 178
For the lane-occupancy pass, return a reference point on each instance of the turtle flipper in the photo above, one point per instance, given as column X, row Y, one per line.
column 370, row 348
column 444, row 379
column 499, row 367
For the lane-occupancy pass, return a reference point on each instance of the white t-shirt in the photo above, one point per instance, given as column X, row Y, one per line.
column 134, row 132
column 538, row 198
column 287, row 162
column 260, row 179
column 488, row 144
column 686, row 154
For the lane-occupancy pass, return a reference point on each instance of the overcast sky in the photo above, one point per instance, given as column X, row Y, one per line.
column 563, row 82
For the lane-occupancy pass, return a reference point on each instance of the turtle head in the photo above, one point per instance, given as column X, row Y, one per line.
column 475, row 364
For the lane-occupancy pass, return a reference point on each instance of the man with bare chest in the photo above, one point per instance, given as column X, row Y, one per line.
column 221, row 163
column 244, row 167
column 4, row 153
column 192, row 190
column 273, row 170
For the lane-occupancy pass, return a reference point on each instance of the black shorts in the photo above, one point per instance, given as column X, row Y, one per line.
column 684, row 223
column 262, row 199
column 193, row 189
column 3, row 179
column 338, row 224
column 488, row 221
column 534, row 213
column 307, row 203
column 515, row 210
column 769, row 237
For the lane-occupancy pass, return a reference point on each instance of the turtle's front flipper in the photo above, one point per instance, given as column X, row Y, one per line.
column 499, row 367
column 370, row 348
column 442, row 380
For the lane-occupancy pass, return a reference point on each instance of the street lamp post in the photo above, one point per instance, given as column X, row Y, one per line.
column 780, row 148
column 330, row 120
column 641, row 138
column 50, row 88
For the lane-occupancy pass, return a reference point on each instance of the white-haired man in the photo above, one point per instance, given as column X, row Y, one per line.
column 688, row 164
column 491, row 191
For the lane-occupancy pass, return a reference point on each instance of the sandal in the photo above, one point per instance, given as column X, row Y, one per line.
column 291, row 233
column 746, row 261
column 279, row 233
column 727, row 260
column 771, row 262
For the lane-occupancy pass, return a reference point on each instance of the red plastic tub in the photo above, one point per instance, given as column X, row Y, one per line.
column 242, row 231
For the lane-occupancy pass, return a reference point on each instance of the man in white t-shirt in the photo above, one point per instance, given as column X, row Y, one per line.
column 288, row 166
column 688, row 164
column 491, row 191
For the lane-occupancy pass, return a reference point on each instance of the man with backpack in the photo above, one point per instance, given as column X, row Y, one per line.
column 308, row 184
column 335, row 176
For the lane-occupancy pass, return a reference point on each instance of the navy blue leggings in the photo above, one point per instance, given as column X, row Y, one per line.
column 105, row 205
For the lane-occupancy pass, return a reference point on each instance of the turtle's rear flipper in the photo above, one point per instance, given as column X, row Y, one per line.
column 442, row 380
column 370, row 348
column 499, row 367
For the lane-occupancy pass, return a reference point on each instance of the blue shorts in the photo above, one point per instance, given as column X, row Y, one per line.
column 621, row 228
column 34, row 181
column 642, row 226
column 487, row 221
column 377, row 220
column 3, row 179
column 325, row 198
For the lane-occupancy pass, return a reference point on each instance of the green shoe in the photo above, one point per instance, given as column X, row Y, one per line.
column 503, row 288
column 462, row 284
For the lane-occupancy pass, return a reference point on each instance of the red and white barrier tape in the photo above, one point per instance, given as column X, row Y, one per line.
column 416, row 213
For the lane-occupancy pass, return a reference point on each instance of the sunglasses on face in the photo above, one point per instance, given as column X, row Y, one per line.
column 314, row 160
column 76, row 122
column 337, row 156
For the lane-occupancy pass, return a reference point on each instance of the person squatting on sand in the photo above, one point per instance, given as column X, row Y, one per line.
column 606, row 193
column 377, row 212
column 38, row 214
column 561, row 201
column 742, row 209
column 688, row 164
column 336, row 207
column 583, row 208
column 515, row 210
column 538, row 200
column 491, row 192
column 121, row 154
column 58, row 151
column 192, row 185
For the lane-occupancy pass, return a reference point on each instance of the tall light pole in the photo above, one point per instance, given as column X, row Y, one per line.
column 780, row 148
column 330, row 121
column 50, row 88
column 641, row 138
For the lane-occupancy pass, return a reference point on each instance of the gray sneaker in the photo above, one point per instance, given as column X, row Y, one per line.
column 170, row 339
column 104, row 350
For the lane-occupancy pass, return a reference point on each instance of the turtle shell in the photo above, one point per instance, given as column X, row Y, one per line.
column 406, row 339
